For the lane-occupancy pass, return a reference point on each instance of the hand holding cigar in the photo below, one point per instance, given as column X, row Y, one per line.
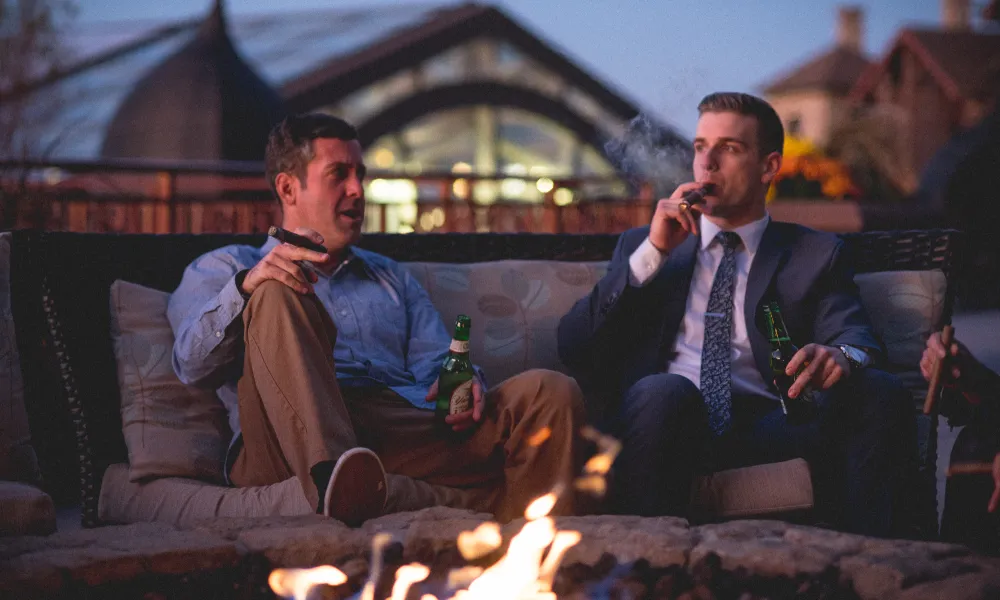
column 288, row 237
column 674, row 218
column 936, row 370
column 289, row 263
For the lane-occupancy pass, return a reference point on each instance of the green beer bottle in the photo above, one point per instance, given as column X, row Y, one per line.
column 802, row 408
column 455, row 381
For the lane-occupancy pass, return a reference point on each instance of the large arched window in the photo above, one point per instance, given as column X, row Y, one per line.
column 532, row 150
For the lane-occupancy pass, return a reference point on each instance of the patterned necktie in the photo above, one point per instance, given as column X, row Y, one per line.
column 716, row 381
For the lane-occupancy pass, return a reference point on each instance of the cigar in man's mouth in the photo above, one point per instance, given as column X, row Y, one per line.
column 287, row 237
column 696, row 196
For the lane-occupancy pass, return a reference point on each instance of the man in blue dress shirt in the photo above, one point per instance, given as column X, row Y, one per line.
column 329, row 374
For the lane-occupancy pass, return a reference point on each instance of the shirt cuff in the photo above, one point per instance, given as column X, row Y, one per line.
column 231, row 303
column 644, row 263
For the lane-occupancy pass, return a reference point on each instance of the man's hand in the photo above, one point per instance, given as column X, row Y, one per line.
column 469, row 418
column 671, row 225
column 995, row 498
column 824, row 367
column 962, row 360
column 280, row 264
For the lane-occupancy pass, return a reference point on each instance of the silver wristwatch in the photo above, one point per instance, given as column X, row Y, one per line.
column 856, row 357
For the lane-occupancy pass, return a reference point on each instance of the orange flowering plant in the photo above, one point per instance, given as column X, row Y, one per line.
column 807, row 173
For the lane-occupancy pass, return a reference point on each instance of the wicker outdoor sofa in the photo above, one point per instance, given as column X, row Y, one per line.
column 59, row 306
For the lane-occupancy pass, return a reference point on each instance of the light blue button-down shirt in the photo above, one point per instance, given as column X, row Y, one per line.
column 388, row 332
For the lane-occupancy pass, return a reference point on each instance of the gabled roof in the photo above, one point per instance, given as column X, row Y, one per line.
column 835, row 71
column 450, row 26
column 965, row 64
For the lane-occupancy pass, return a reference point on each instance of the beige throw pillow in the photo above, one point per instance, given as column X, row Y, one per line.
column 171, row 429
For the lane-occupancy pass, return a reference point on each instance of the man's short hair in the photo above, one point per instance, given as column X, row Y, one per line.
column 290, row 147
column 770, row 131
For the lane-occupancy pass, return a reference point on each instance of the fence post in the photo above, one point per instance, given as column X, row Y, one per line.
column 163, row 221
column 445, row 197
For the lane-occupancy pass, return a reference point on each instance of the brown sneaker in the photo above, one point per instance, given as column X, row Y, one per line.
column 357, row 489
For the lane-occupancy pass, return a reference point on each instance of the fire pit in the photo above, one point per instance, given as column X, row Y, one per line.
column 616, row 557
column 448, row 553
column 447, row 574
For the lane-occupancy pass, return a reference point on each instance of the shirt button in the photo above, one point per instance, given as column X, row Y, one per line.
column 218, row 334
column 343, row 313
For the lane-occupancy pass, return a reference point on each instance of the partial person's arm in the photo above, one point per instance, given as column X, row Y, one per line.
column 204, row 313
column 963, row 374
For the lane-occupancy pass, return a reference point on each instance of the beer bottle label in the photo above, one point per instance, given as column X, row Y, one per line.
column 461, row 398
column 459, row 346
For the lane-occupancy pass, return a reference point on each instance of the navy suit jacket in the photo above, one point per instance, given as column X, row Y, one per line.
column 619, row 334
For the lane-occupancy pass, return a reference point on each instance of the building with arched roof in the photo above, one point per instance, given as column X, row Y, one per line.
column 202, row 103
column 457, row 89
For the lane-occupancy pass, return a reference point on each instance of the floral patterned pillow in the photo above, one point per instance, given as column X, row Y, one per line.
column 515, row 306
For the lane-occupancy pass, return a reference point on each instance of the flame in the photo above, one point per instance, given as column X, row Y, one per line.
column 516, row 574
column 600, row 463
column 478, row 543
column 592, row 484
column 593, row 479
column 379, row 542
column 563, row 541
column 539, row 437
column 406, row 576
column 296, row 583
column 521, row 574
column 540, row 507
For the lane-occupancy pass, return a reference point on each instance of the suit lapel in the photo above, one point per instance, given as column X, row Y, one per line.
column 675, row 282
column 771, row 254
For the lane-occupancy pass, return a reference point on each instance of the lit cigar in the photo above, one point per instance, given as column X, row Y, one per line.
column 287, row 237
column 695, row 196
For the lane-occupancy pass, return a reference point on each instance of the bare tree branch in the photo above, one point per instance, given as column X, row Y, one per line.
column 31, row 48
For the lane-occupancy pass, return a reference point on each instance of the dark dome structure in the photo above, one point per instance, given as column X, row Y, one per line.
column 202, row 103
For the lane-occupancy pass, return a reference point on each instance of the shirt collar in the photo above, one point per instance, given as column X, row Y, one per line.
column 353, row 261
column 751, row 233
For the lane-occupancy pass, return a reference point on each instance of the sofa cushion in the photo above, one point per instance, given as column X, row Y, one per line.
column 25, row 510
column 171, row 429
column 752, row 491
column 515, row 307
column 17, row 456
column 749, row 491
column 905, row 308
column 182, row 502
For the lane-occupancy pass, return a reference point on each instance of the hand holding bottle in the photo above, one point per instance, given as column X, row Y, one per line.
column 457, row 393
column 467, row 419
column 822, row 367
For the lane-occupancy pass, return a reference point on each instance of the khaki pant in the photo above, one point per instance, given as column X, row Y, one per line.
column 293, row 415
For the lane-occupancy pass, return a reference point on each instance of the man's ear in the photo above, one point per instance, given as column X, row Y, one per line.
column 772, row 164
column 287, row 187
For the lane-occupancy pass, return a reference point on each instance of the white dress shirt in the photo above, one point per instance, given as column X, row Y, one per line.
column 646, row 261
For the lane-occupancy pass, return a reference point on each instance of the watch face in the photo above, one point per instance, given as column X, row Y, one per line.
column 854, row 356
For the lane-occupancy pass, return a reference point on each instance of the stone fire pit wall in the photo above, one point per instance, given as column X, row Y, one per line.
column 618, row 557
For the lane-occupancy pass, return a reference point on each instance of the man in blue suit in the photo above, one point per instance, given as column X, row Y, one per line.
column 675, row 338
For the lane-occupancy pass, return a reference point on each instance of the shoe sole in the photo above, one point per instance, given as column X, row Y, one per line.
column 357, row 488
